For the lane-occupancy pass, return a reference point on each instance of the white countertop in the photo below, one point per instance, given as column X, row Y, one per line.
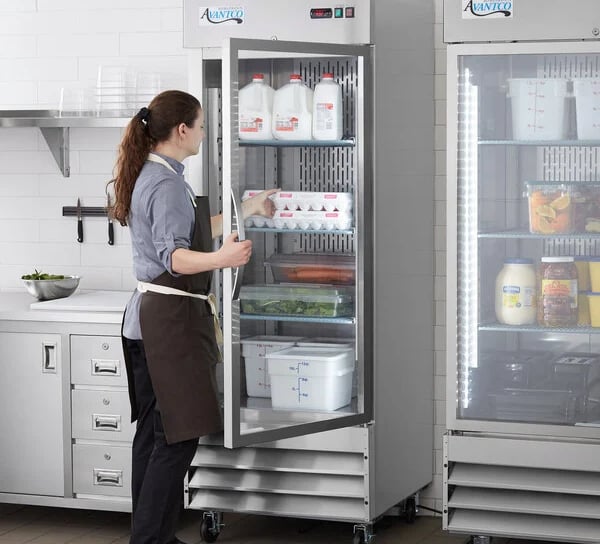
column 84, row 307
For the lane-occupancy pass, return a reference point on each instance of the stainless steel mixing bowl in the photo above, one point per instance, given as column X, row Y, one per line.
column 51, row 289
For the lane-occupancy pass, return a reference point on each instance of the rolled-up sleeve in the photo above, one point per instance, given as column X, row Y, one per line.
column 171, row 216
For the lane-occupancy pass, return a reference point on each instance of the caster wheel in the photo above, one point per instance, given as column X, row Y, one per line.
column 410, row 510
column 358, row 538
column 209, row 529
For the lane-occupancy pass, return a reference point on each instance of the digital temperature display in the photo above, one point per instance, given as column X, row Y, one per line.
column 321, row 13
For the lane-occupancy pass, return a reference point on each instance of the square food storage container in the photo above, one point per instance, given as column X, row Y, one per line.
column 587, row 108
column 254, row 349
column 311, row 378
column 538, row 108
column 298, row 300
column 585, row 199
column 312, row 268
column 550, row 208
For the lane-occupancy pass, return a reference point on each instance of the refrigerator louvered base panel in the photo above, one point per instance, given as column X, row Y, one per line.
column 329, row 508
column 315, row 485
column 492, row 488
column 277, row 479
column 559, row 529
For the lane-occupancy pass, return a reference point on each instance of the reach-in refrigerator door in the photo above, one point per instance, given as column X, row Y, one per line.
column 523, row 221
column 310, row 273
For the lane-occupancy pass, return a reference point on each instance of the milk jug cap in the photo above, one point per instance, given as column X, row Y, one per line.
column 295, row 77
column 327, row 75
column 260, row 77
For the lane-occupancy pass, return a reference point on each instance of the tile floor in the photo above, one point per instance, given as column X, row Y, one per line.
column 44, row 525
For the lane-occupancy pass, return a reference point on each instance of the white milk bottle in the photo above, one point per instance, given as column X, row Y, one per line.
column 292, row 110
column 327, row 110
column 256, row 106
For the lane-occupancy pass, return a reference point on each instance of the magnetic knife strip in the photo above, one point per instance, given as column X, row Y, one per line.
column 86, row 211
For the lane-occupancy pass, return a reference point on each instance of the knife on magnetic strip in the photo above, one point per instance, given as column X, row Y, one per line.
column 79, row 223
column 111, row 230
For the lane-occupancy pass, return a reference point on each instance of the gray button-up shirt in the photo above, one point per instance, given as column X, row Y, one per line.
column 161, row 219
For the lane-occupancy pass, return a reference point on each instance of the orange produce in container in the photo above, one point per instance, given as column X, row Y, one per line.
column 550, row 208
column 313, row 268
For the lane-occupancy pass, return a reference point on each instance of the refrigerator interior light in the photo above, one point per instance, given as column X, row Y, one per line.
column 468, row 291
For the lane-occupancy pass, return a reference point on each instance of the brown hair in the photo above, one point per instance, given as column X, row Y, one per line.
column 148, row 127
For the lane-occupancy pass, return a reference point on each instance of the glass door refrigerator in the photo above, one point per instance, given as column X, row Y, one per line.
column 297, row 381
column 522, row 448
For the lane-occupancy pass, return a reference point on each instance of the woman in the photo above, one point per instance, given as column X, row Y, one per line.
column 168, row 328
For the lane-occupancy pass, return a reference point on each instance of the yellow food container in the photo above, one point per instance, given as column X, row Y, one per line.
column 583, row 273
column 583, row 308
column 594, row 301
column 594, row 266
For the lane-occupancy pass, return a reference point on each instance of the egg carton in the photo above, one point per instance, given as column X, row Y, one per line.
column 312, row 220
column 313, row 201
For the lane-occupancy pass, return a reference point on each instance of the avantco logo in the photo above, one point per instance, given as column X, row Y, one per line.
column 220, row 15
column 472, row 9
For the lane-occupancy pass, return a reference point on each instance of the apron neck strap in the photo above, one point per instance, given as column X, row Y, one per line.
column 153, row 157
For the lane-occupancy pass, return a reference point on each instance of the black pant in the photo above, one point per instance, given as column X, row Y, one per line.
column 158, row 468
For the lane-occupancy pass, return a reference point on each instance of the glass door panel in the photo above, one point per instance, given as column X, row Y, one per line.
column 528, row 195
column 297, row 335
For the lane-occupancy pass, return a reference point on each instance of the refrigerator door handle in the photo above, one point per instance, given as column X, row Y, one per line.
column 238, row 273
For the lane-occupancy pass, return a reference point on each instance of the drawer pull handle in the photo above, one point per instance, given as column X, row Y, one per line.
column 105, row 367
column 112, row 478
column 49, row 357
column 106, row 423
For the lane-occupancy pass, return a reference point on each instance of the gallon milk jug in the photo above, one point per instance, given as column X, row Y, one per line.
column 327, row 109
column 256, row 105
column 292, row 110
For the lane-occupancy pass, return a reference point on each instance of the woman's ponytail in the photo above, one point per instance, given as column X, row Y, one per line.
column 148, row 127
column 133, row 150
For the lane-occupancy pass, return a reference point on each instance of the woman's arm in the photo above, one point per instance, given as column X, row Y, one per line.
column 231, row 254
column 259, row 204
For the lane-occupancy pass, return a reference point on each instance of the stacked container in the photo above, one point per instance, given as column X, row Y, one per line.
column 311, row 378
column 254, row 351
column 538, row 108
column 587, row 104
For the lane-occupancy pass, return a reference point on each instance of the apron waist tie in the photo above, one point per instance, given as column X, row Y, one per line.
column 144, row 286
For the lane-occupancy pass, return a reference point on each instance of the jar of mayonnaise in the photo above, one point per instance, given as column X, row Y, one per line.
column 515, row 293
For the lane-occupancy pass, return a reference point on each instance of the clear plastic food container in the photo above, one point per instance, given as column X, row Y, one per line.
column 298, row 300
column 313, row 268
column 550, row 208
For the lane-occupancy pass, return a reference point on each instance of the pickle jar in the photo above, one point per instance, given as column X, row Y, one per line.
column 557, row 300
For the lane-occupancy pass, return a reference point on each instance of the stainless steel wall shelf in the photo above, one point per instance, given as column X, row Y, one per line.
column 55, row 129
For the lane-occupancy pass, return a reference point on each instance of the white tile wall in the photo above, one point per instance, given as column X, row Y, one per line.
column 46, row 44
column 434, row 493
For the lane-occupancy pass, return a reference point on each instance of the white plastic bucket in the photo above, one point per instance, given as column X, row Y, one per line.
column 327, row 110
column 587, row 106
column 255, row 110
column 292, row 111
column 538, row 108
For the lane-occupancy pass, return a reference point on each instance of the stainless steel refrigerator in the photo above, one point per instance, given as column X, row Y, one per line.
column 355, row 462
column 522, row 448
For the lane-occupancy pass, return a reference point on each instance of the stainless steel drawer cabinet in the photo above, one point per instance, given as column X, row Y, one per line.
column 102, row 470
column 97, row 360
column 101, row 415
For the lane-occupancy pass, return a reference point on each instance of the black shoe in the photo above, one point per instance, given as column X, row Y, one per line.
column 176, row 541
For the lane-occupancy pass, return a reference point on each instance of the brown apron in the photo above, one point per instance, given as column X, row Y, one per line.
column 181, row 349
